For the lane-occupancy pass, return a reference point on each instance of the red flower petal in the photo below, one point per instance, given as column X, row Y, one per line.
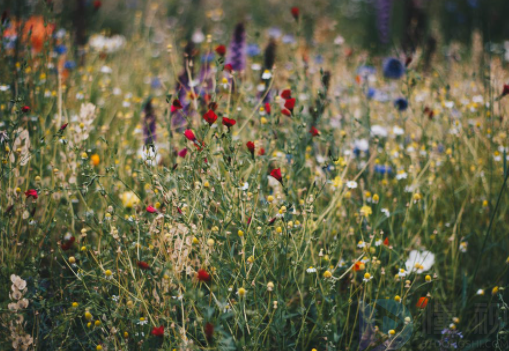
column 276, row 174
column 229, row 122
column 203, row 275
column 158, row 331
column 151, row 209
column 286, row 94
column 221, row 50
column 189, row 135
column 210, row 116
column 143, row 265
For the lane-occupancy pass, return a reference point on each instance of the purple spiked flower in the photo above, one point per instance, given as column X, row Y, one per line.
column 149, row 123
column 383, row 14
column 237, row 53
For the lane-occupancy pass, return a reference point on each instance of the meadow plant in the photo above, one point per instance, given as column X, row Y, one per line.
column 165, row 195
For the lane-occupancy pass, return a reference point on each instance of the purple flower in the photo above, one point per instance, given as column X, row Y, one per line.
column 236, row 55
column 149, row 123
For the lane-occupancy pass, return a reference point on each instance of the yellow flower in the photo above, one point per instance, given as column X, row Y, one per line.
column 327, row 274
column 240, row 233
column 75, row 304
column 338, row 182
column 129, row 199
column 88, row 315
column 366, row 211
column 494, row 291
column 241, row 292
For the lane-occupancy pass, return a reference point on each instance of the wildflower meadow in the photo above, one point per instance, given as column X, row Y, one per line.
column 250, row 175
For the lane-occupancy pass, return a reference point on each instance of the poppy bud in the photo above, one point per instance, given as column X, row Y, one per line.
column 295, row 12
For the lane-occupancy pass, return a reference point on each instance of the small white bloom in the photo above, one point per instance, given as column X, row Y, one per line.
column 311, row 269
column 419, row 261
column 351, row 184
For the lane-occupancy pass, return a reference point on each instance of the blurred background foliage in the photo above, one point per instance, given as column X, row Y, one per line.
column 357, row 20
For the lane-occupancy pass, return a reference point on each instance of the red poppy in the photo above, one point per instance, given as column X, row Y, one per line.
column 295, row 12
column 63, row 126
column 68, row 242
column 189, row 135
column 183, row 152
column 151, row 209
column 505, row 91
column 203, row 275
column 31, row 193
column 249, row 221
column 261, row 152
column 97, row 5
column 276, row 174
column 286, row 94
column 386, row 242
column 229, row 122
column 251, row 147
column 314, row 132
column 143, row 265
column 422, row 303
column 210, row 117
column 271, row 221
column 267, row 108
column 228, row 67
column 286, row 112
column 176, row 104
column 221, row 50
column 209, row 331
column 158, row 331
column 290, row 104
column 25, row 109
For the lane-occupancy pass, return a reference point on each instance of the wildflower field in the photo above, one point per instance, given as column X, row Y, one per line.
column 249, row 186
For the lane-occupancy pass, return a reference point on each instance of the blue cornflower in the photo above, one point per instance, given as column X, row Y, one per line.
column 70, row 65
column 382, row 169
column 393, row 68
column 371, row 93
column 207, row 58
column 60, row 49
column 401, row 104
column 155, row 83
column 253, row 50
column 319, row 59
column 365, row 71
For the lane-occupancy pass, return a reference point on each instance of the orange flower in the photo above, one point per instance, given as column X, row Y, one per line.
column 95, row 159
column 34, row 29
column 422, row 303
